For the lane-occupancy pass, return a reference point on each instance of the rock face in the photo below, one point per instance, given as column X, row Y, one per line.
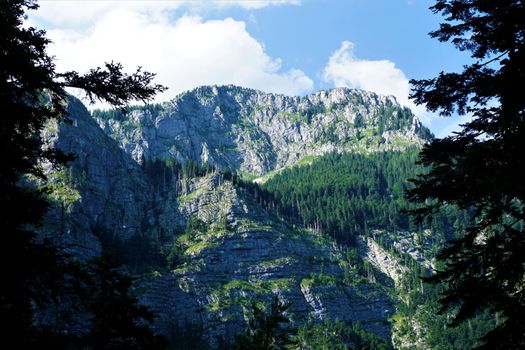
column 103, row 193
column 383, row 261
column 241, row 252
column 111, row 191
column 253, row 258
column 254, row 132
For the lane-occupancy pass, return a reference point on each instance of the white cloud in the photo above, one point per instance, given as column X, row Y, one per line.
column 253, row 4
column 82, row 13
column 382, row 76
column 379, row 76
column 187, row 53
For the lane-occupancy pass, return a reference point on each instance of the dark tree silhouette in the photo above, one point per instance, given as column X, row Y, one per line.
column 266, row 331
column 482, row 167
column 31, row 93
column 118, row 321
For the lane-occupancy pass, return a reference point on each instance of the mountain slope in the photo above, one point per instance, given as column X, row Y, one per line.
column 243, row 254
column 111, row 194
column 139, row 190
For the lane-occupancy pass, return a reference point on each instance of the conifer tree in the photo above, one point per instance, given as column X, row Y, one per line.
column 481, row 167
column 118, row 321
column 266, row 331
column 31, row 93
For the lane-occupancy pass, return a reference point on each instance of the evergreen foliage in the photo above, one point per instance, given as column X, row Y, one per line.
column 31, row 94
column 336, row 335
column 189, row 335
column 169, row 175
column 350, row 194
column 482, row 166
column 117, row 319
column 119, row 114
column 271, row 330
column 139, row 253
column 346, row 194
column 266, row 331
column 421, row 306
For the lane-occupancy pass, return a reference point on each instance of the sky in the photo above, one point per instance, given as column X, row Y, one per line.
column 293, row 47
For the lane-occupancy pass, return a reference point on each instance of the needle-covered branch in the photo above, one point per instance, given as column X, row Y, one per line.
column 112, row 85
column 481, row 168
column 32, row 94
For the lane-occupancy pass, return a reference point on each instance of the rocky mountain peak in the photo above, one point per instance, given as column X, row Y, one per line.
column 253, row 132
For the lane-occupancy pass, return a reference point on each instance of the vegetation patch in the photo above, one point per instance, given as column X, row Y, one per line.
column 296, row 117
column 278, row 262
column 61, row 189
column 196, row 237
column 346, row 194
column 251, row 225
column 244, row 293
column 191, row 196
column 285, row 283
column 245, row 176
column 402, row 142
column 318, row 280
column 261, row 107
column 306, row 160
column 196, row 248
column 128, row 124
column 336, row 335
column 246, row 124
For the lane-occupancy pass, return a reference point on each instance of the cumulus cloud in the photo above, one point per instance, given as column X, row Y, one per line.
column 254, row 4
column 186, row 53
column 79, row 13
column 379, row 76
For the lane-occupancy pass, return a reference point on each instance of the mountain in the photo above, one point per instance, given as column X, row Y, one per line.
column 161, row 187
column 252, row 132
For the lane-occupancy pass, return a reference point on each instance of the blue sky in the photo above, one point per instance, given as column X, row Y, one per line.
column 396, row 30
column 293, row 47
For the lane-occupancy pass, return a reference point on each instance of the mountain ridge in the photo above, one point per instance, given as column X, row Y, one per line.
column 254, row 133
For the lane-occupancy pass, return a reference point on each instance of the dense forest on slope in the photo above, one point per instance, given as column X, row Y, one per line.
column 347, row 194
column 421, row 323
column 344, row 194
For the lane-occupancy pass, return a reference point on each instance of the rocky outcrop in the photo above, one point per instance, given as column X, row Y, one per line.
column 247, row 255
column 389, row 261
column 103, row 192
column 254, row 132
column 382, row 260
